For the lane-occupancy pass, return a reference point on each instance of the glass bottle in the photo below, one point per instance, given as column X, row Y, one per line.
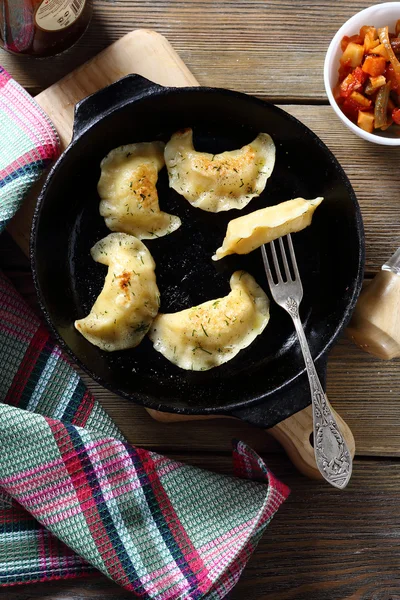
column 42, row 27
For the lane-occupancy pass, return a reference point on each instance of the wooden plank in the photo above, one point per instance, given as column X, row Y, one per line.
column 263, row 48
column 363, row 389
column 370, row 169
column 143, row 52
column 321, row 545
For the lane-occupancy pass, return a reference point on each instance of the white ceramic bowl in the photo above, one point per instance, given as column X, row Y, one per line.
column 378, row 15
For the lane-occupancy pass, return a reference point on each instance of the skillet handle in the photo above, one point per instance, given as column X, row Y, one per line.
column 295, row 433
column 291, row 423
column 96, row 106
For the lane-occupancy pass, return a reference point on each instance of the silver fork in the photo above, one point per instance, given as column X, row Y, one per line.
column 331, row 452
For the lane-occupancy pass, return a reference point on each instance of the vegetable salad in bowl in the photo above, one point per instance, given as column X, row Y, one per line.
column 368, row 84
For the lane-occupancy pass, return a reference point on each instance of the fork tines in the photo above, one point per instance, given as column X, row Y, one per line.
column 289, row 277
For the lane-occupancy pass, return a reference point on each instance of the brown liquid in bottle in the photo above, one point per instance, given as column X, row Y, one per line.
column 42, row 27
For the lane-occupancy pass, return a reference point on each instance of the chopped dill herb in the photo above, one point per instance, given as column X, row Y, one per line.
column 142, row 327
column 200, row 348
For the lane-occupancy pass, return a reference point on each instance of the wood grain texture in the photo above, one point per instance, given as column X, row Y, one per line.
column 322, row 544
column 141, row 51
column 362, row 388
column 369, row 168
column 273, row 49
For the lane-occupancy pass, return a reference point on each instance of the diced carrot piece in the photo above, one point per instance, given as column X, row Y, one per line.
column 344, row 42
column 374, row 65
column 362, row 101
column 370, row 44
column 371, row 39
column 396, row 115
column 365, row 120
column 370, row 31
column 380, row 50
column 356, row 39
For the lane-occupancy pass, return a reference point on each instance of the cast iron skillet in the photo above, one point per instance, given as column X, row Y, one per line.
column 266, row 382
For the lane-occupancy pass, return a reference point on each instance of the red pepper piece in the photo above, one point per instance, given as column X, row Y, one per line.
column 354, row 81
column 396, row 115
column 391, row 76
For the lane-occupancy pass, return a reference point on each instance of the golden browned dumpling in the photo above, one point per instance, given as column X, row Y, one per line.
column 210, row 334
column 251, row 231
column 127, row 188
column 217, row 182
column 129, row 300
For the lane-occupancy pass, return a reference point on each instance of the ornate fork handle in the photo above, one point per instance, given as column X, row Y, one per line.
column 331, row 452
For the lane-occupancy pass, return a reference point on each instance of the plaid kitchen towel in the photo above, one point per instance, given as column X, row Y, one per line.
column 74, row 495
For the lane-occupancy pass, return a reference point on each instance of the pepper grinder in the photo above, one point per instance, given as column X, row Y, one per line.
column 375, row 325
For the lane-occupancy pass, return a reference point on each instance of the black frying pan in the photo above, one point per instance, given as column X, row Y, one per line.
column 266, row 382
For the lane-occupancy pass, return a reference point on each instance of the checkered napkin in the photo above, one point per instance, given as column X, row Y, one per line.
column 74, row 495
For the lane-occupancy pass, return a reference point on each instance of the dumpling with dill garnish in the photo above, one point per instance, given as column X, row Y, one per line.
column 127, row 188
column 210, row 334
column 129, row 300
column 217, row 182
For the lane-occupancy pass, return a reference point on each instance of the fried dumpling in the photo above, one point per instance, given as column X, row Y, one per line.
column 217, row 182
column 127, row 188
column 129, row 300
column 251, row 231
column 210, row 334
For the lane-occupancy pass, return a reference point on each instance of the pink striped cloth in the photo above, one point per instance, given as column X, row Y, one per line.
column 75, row 497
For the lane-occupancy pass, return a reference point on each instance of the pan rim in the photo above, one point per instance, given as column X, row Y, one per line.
column 141, row 398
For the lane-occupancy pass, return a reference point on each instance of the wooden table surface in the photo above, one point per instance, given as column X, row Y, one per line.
column 323, row 544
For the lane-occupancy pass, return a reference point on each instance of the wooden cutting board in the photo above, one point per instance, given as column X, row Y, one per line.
column 149, row 54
